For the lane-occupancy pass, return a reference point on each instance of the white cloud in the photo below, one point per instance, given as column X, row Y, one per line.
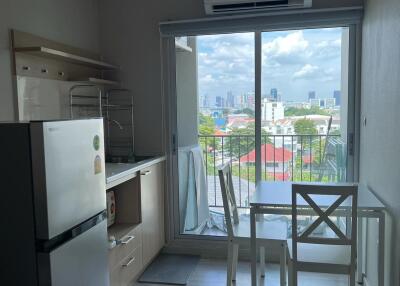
column 208, row 78
column 309, row 59
column 315, row 73
column 292, row 43
column 290, row 49
column 306, row 71
column 225, row 61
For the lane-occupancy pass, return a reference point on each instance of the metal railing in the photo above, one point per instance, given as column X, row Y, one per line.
column 283, row 158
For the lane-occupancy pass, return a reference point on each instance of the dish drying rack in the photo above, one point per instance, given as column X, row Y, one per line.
column 116, row 107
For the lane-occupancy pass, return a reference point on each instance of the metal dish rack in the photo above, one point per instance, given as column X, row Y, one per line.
column 116, row 107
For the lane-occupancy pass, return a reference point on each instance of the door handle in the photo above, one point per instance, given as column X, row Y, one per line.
column 351, row 144
column 129, row 262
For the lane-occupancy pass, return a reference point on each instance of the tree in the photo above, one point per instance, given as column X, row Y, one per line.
column 239, row 146
column 206, row 125
column 226, row 112
column 247, row 111
column 295, row 111
column 305, row 127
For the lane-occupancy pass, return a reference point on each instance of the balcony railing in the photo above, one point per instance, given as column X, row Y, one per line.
column 310, row 158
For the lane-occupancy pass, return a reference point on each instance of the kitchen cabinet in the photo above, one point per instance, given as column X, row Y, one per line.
column 152, row 205
column 139, row 218
column 125, row 260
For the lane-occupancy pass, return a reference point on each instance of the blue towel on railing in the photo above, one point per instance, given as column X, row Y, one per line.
column 193, row 191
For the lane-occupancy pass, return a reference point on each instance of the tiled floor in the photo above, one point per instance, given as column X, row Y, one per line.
column 212, row 272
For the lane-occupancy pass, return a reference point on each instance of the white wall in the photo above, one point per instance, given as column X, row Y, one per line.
column 380, row 148
column 187, row 99
column 73, row 22
column 130, row 37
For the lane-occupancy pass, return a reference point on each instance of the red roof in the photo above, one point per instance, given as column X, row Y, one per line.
column 219, row 133
column 307, row 159
column 273, row 155
column 238, row 120
column 280, row 176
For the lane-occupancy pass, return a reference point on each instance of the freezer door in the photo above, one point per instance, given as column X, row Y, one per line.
column 82, row 261
column 69, row 176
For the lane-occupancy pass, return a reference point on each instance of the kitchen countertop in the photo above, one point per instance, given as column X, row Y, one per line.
column 117, row 173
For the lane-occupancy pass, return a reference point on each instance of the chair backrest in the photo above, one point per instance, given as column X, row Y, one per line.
column 228, row 197
column 344, row 193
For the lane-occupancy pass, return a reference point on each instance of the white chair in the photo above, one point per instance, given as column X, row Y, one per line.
column 239, row 231
column 312, row 253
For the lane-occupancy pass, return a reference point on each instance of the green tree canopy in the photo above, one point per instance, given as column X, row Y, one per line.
column 226, row 112
column 245, row 144
column 206, row 125
column 294, row 111
column 305, row 127
column 247, row 111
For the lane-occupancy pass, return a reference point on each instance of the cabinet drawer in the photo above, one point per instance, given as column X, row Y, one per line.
column 128, row 243
column 128, row 268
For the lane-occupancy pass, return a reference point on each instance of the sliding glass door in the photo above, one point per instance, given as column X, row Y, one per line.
column 304, row 105
column 273, row 104
column 216, row 122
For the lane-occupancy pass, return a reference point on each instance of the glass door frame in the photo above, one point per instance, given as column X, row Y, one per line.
column 167, row 48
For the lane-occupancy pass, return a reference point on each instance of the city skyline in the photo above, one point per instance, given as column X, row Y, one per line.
column 231, row 100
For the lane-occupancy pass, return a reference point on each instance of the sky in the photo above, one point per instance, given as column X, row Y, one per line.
column 295, row 62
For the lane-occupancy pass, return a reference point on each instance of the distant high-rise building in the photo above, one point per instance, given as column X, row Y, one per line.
column 315, row 102
column 337, row 96
column 230, row 99
column 330, row 102
column 251, row 101
column 274, row 94
column 322, row 103
column 248, row 100
column 272, row 111
column 204, row 101
column 219, row 101
column 311, row 95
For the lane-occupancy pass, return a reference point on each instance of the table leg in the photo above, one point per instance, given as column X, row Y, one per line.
column 283, row 264
column 360, row 250
column 253, row 247
column 381, row 249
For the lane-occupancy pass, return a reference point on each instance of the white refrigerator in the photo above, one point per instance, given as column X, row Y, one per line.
column 54, row 177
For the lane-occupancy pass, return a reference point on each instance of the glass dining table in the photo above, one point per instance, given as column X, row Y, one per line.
column 276, row 198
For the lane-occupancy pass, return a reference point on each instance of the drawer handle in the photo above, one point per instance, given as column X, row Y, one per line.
column 145, row 173
column 129, row 262
column 129, row 238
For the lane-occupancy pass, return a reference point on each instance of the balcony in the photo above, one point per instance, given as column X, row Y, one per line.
column 310, row 158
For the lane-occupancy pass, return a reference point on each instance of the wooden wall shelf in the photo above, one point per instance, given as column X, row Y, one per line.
column 97, row 81
column 67, row 57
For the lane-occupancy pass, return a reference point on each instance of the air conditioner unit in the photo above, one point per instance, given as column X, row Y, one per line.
column 215, row 7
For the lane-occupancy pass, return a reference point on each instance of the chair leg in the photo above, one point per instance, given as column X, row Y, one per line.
column 262, row 261
column 283, row 264
column 292, row 274
column 229, row 264
column 352, row 278
column 235, row 258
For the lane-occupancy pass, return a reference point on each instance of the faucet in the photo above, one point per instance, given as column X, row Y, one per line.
column 116, row 123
